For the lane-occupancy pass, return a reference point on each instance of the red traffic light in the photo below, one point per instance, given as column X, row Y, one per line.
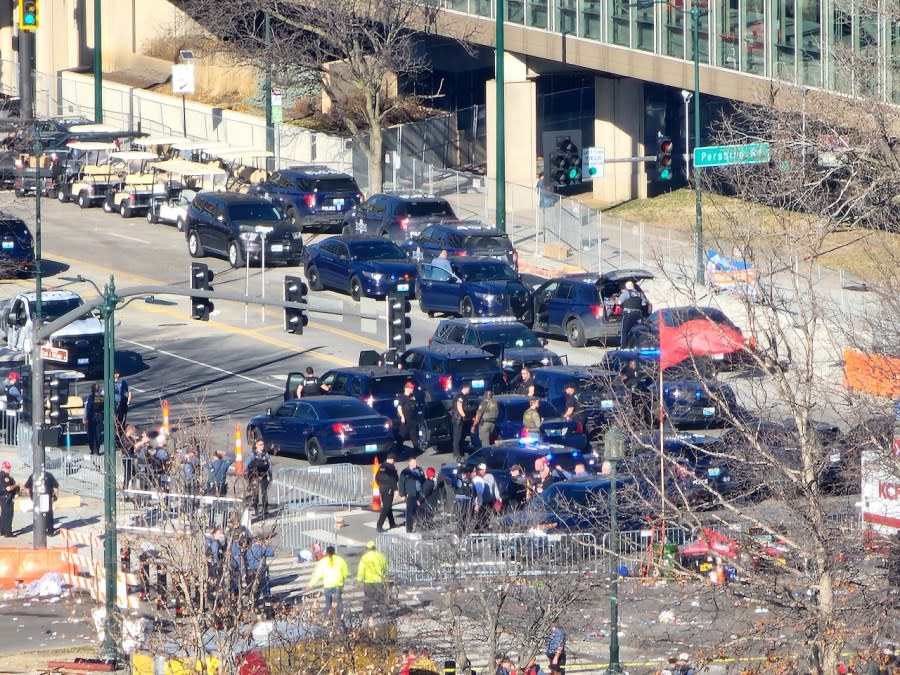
column 665, row 146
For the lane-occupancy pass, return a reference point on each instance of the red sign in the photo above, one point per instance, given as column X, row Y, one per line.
column 54, row 354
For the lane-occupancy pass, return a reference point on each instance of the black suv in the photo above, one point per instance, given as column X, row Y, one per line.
column 16, row 247
column 235, row 225
column 521, row 347
column 312, row 197
column 396, row 216
column 463, row 238
column 582, row 307
column 439, row 371
column 379, row 387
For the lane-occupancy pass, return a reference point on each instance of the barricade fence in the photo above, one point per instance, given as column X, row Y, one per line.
column 163, row 512
column 296, row 533
column 297, row 489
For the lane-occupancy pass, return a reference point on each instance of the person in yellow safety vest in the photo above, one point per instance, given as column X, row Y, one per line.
column 372, row 572
column 331, row 571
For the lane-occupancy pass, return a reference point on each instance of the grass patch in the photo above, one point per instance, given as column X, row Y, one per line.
column 855, row 252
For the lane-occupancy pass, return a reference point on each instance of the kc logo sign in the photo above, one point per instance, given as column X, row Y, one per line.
column 889, row 491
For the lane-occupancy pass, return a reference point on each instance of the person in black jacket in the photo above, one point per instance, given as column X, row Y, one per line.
column 429, row 506
column 93, row 418
column 259, row 474
column 411, row 480
column 387, row 480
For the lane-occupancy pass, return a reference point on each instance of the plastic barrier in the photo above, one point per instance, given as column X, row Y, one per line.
column 24, row 565
column 877, row 374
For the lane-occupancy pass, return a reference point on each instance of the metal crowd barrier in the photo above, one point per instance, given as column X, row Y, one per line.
column 162, row 512
column 439, row 559
column 345, row 485
column 296, row 533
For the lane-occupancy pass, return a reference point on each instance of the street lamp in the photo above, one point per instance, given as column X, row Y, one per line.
column 110, row 302
column 686, row 96
column 614, row 449
column 698, row 201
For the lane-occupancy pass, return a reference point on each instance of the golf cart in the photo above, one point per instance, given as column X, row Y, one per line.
column 177, row 183
column 37, row 171
column 88, row 173
column 133, row 189
column 242, row 169
column 160, row 145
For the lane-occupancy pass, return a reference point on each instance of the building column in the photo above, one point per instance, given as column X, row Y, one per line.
column 619, row 128
column 521, row 136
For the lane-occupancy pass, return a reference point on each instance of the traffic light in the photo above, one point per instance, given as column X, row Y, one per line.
column 664, row 158
column 562, row 158
column 29, row 15
column 57, row 395
column 295, row 291
column 399, row 322
column 201, row 276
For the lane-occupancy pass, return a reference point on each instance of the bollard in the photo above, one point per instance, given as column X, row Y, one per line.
column 238, row 451
column 376, row 495
column 450, row 667
column 165, row 415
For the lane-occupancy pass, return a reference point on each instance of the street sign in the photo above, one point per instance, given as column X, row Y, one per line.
column 49, row 353
column 725, row 155
column 277, row 109
column 183, row 78
column 592, row 161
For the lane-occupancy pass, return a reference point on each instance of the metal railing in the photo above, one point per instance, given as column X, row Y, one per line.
column 297, row 489
column 162, row 512
column 297, row 532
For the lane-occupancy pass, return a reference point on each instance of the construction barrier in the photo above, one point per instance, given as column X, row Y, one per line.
column 296, row 533
column 877, row 374
column 238, row 451
column 376, row 495
column 346, row 485
column 21, row 566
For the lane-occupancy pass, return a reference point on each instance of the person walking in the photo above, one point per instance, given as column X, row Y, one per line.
column 259, row 475
column 93, row 418
column 486, row 419
column 217, row 475
column 556, row 648
column 122, row 399
column 411, row 480
column 531, row 419
column 372, row 574
column 458, row 417
column 332, row 572
column 634, row 305
column 14, row 398
column 43, row 494
column 387, row 481
column 9, row 488
column 408, row 414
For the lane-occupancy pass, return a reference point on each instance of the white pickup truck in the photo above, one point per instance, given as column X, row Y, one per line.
column 78, row 346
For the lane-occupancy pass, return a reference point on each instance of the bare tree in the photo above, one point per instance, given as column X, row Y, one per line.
column 795, row 432
column 353, row 48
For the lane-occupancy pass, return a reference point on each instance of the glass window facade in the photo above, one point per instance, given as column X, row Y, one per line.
column 848, row 46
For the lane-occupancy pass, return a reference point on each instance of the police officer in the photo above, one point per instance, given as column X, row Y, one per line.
column 634, row 306
column 464, row 497
column 407, row 411
column 412, row 478
column 8, row 491
column 486, row 418
column 526, row 383
column 259, row 474
column 531, row 420
column 311, row 385
column 93, row 418
column 458, row 416
column 572, row 409
column 387, row 481
column 122, row 399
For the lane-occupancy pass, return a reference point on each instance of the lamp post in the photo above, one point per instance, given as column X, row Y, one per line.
column 98, row 61
column 686, row 96
column 613, row 449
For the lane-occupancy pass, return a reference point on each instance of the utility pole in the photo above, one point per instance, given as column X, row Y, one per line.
column 270, row 127
column 26, row 73
column 98, row 62
column 500, row 122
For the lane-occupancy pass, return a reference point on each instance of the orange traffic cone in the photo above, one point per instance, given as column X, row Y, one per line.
column 165, row 415
column 376, row 495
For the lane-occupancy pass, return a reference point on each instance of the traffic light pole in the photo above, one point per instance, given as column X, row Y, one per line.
column 698, row 199
column 98, row 61
column 38, row 454
column 500, row 96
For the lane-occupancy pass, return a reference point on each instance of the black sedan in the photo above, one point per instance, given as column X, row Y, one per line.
column 360, row 266
column 320, row 427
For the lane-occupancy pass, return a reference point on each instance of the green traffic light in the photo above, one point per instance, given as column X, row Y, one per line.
column 665, row 174
column 573, row 173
